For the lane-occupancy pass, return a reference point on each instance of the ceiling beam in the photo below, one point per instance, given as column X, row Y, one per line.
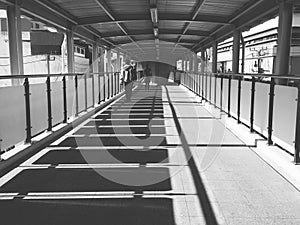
column 144, row 18
column 162, row 32
column 109, row 12
column 194, row 15
column 171, row 40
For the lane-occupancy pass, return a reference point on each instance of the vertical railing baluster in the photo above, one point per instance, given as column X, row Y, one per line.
column 209, row 88
column 271, row 109
column 206, row 87
column 76, row 96
column 93, row 90
column 252, row 105
column 221, row 94
column 65, row 100
column 297, row 138
column 27, row 110
column 85, row 92
column 48, row 83
column 99, row 88
column 108, row 85
column 215, row 100
column 104, row 87
column 239, row 100
column 229, row 96
column 202, row 88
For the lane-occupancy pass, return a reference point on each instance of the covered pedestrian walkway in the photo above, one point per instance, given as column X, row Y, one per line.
column 204, row 145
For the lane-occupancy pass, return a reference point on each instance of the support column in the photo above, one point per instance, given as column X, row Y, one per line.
column 95, row 56
column 202, row 60
column 191, row 63
column 284, row 38
column 118, row 69
column 15, row 41
column 105, row 61
column 236, row 51
column 102, row 60
column 108, row 55
column 70, row 52
column 243, row 53
column 196, row 64
column 215, row 57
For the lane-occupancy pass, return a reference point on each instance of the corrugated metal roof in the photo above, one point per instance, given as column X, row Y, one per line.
column 126, row 21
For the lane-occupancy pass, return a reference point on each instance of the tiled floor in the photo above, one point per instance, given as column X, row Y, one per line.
column 159, row 159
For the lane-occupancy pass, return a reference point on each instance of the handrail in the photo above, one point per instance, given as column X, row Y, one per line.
column 290, row 77
column 5, row 77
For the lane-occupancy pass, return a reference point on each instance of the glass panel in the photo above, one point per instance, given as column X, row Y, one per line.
column 234, row 97
column 81, row 94
column 213, row 80
column 261, row 108
column 89, row 91
column 245, row 102
column 218, row 91
column 96, row 89
column 57, row 102
column 71, row 101
column 12, row 116
column 39, row 108
column 285, row 111
column 225, row 94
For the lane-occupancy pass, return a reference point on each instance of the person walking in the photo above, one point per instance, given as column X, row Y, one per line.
column 127, row 80
column 148, row 75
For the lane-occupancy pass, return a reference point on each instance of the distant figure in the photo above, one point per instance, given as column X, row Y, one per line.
column 148, row 75
column 134, row 70
column 127, row 80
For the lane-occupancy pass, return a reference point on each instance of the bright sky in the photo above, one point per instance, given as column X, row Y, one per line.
column 2, row 13
column 273, row 23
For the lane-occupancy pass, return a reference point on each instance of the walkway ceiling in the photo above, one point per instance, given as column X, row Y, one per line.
column 131, row 25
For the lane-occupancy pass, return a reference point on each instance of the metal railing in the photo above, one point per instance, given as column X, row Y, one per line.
column 107, row 84
column 205, row 86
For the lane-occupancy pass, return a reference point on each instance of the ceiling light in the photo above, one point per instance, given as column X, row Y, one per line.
column 155, row 31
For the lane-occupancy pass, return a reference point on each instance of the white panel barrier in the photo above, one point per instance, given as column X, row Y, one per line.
column 261, row 108
column 57, row 102
column 102, row 86
column 225, row 94
column 90, row 92
column 12, row 116
column 245, row 102
column 234, row 97
column 38, row 108
column 96, row 89
column 210, row 88
column 81, row 94
column 71, row 99
column 213, row 81
column 218, row 91
column 284, row 121
column 106, row 86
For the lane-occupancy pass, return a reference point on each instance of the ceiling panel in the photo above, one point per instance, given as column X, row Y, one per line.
column 79, row 8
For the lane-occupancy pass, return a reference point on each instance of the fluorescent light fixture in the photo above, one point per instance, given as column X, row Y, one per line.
column 155, row 31
column 154, row 16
